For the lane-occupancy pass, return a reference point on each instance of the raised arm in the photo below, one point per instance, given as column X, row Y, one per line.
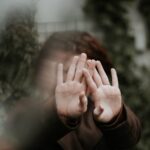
column 37, row 123
column 121, row 128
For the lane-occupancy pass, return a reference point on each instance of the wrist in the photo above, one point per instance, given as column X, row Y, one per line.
column 115, row 121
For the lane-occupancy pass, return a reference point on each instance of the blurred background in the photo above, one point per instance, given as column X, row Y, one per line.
column 122, row 27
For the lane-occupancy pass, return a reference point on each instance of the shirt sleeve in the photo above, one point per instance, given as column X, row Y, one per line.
column 123, row 131
column 34, row 126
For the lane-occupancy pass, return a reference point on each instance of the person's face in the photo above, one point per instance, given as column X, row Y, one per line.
column 62, row 57
column 48, row 72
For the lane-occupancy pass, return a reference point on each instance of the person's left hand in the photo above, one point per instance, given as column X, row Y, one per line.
column 106, row 97
column 71, row 101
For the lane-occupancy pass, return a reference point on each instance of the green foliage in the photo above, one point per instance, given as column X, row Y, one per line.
column 110, row 19
column 18, row 49
column 112, row 13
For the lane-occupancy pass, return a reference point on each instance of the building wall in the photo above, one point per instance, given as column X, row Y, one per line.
column 59, row 10
column 58, row 15
column 62, row 15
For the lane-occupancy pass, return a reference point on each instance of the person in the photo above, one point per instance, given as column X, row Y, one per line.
column 82, row 109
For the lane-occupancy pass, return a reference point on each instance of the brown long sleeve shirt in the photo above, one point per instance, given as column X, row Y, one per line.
column 27, row 127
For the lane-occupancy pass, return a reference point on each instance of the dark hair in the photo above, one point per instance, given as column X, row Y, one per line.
column 76, row 42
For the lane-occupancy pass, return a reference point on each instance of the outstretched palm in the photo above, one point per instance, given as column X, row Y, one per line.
column 70, row 96
column 107, row 102
column 106, row 97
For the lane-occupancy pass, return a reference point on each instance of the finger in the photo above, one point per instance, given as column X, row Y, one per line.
column 114, row 77
column 60, row 74
column 72, row 68
column 83, row 82
column 80, row 66
column 83, row 102
column 91, row 65
column 97, row 78
column 102, row 73
column 89, row 80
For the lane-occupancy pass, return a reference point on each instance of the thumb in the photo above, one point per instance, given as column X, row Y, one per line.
column 83, row 102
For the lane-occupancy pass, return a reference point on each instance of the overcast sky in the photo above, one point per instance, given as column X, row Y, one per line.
column 62, row 10
column 57, row 10
column 47, row 10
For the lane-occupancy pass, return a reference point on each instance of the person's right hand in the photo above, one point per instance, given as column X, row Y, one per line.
column 71, row 101
column 106, row 97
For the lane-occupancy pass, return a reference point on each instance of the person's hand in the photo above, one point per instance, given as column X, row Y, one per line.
column 70, row 94
column 106, row 97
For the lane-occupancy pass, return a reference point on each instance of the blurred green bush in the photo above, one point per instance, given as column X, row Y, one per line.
column 111, row 20
column 18, row 50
